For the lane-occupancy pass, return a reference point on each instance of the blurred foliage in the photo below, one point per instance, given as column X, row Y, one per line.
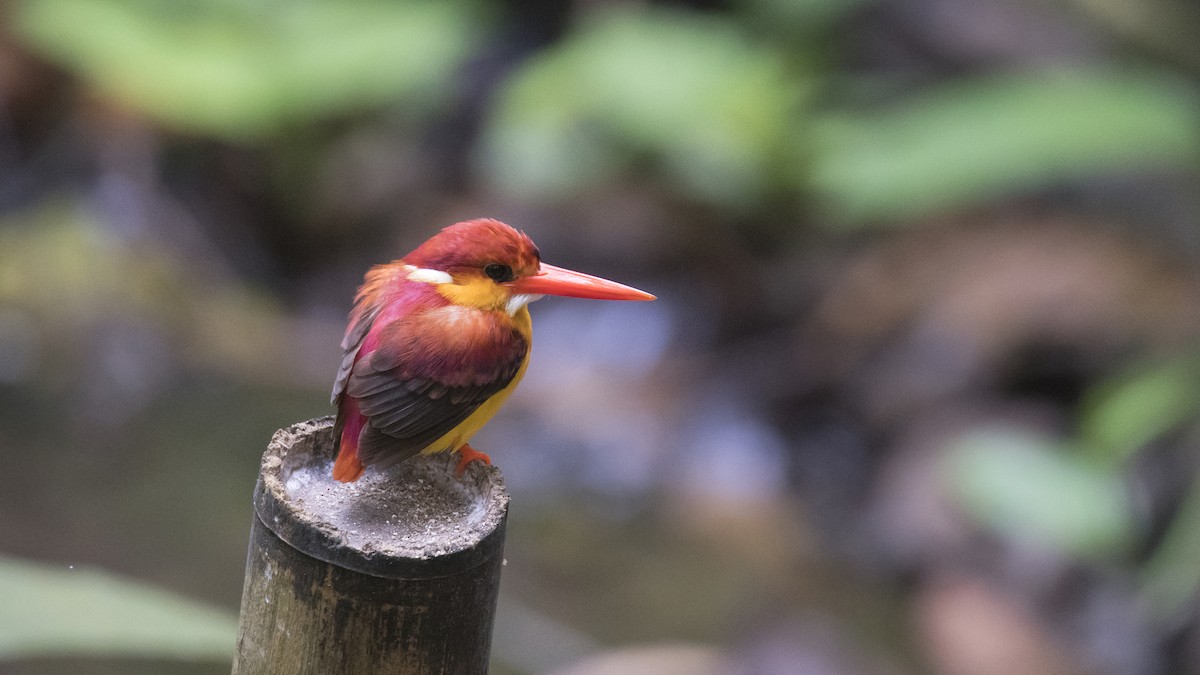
column 1026, row 487
column 1168, row 27
column 688, row 99
column 59, row 262
column 1170, row 579
column 1078, row 499
column 243, row 69
column 753, row 135
column 796, row 25
column 976, row 141
column 65, row 273
column 1124, row 414
column 728, row 121
column 691, row 94
column 60, row 610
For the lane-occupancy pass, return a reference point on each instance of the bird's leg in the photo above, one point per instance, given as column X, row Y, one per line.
column 466, row 455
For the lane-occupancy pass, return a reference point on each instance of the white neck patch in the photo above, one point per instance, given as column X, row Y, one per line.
column 427, row 276
column 516, row 302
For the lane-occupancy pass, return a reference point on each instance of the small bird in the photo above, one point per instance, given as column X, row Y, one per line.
column 437, row 341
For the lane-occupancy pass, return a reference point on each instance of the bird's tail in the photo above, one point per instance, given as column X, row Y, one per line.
column 347, row 468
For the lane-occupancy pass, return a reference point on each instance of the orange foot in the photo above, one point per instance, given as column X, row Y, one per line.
column 466, row 455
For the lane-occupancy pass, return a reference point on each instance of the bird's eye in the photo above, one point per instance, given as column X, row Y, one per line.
column 498, row 272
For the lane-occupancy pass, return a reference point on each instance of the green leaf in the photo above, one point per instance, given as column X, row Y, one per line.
column 246, row 70
column 706, row 104
column 1122, row 415
column 1027, row 487
column 989, row 137
column 60, row 610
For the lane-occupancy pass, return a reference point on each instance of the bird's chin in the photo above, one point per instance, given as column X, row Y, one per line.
column 516, row 302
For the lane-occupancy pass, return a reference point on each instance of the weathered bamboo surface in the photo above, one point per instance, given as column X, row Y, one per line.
column 396, row 573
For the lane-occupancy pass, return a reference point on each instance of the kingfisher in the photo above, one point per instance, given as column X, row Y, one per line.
column 438, row 340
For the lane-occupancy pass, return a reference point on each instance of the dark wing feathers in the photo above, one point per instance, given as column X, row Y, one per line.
column 427, row 376
column 369, row 301
column 360, row 325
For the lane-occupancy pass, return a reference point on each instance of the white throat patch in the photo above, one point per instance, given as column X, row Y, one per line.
column 516, row 302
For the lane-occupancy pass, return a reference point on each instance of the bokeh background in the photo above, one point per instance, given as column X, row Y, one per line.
column 919, row 395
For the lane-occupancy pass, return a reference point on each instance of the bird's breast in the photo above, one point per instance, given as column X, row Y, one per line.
column 467, row 328
column 455, row 345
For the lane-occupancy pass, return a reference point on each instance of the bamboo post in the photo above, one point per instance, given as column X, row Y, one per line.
column 396, row 573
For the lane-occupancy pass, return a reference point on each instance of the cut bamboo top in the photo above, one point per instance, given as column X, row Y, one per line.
column 414, row 520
